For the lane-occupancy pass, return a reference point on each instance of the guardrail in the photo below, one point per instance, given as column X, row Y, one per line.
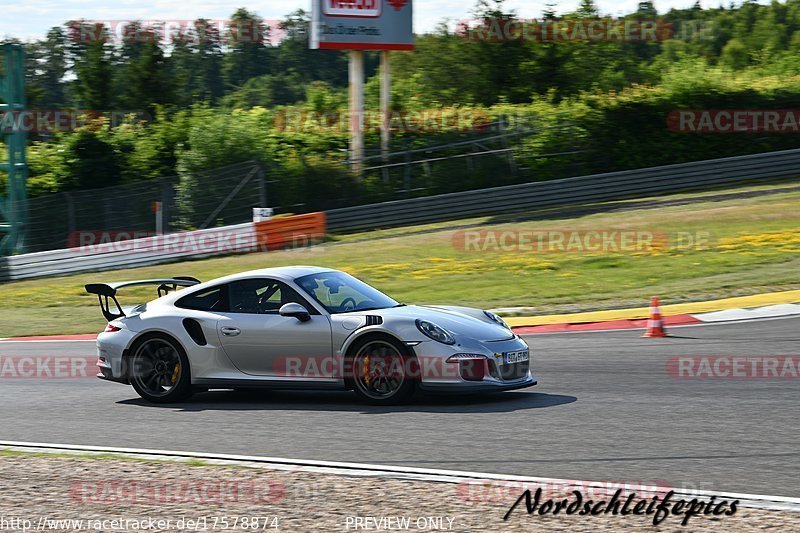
column 500, row 200
column 570, row 191
column 299, row 230
column 131, row 253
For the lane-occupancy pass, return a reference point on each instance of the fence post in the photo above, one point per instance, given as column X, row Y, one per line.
column 165, row 196
column 262, row 187
column 512, row 166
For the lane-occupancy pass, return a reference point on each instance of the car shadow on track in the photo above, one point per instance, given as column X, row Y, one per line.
column 267, row 400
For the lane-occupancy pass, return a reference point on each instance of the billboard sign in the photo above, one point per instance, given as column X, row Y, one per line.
column 362, row 25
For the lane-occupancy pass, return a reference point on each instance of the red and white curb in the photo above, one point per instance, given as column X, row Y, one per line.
column 610, row 325
column 753, row 501
column 716, row 317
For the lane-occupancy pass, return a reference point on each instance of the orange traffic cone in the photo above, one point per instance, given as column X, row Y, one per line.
column 655, row 325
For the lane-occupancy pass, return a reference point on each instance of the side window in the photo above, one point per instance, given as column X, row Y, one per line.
column 212, row 299
column 261, row 296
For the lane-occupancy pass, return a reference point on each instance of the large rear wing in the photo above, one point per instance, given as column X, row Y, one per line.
column 107, row 292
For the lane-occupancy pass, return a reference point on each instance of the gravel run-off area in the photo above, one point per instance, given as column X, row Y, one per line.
column 112, row 494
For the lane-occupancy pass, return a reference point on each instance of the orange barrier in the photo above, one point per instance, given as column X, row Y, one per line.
column 293, row 231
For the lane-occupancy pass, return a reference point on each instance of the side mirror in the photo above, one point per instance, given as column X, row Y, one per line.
column 296, row 310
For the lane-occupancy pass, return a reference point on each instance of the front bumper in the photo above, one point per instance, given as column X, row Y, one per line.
column 439, row 374
column 479, row 386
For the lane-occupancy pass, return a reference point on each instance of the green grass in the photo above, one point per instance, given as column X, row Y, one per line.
column 76, row 455
column 421, row 265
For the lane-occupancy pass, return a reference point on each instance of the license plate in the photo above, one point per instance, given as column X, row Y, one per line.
column 515, row 357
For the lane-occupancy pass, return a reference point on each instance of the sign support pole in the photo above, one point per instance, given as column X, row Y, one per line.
column 386, row 105
column 14, row 206
column 357, row 112
column 158, row 208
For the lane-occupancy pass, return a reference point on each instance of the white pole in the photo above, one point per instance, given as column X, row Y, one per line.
column 357, row 111
column 386, row 104
column 159, row 209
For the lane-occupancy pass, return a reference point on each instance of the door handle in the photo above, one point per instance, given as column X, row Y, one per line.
column 230, row 332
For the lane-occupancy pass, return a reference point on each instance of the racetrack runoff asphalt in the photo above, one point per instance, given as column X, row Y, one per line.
column 606, row 408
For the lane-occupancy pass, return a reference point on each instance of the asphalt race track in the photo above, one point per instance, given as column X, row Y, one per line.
column 605, row 409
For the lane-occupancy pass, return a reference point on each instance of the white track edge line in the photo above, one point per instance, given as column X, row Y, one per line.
column 757, row 501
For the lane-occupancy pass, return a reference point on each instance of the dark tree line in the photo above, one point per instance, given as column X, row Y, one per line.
column 213, row 94
column 240, row 66
column 81, row 65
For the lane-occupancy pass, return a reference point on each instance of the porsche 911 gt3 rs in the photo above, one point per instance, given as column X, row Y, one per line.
column 301, row 327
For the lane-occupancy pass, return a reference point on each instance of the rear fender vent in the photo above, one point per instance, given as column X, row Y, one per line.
column 373, row 320
column 195, row 331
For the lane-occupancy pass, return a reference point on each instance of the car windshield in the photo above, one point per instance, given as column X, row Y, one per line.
column 338, row 292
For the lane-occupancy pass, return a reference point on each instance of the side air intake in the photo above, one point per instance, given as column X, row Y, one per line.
column 195, row 331
column 373, row 320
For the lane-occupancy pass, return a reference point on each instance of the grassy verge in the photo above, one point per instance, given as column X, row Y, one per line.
column 753, row 246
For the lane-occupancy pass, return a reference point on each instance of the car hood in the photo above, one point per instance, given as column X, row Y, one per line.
column 454, row 321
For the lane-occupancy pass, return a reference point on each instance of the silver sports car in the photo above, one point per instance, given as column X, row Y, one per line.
column 301, row 327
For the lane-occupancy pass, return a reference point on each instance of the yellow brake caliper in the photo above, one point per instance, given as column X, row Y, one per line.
column 365, row 370
column 176, row 373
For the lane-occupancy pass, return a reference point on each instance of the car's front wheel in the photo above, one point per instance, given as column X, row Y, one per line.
column 382, row 372
column 159, row 369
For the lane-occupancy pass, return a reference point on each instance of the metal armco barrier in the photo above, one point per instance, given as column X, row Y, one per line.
column 281, row 232
column 570, row 191
column 131, row 253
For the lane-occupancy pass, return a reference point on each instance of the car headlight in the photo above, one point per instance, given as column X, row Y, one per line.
column 496, row 319
column 435, row 332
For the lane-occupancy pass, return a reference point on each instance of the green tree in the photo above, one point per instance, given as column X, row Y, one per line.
column 91, row 162
column 587, row 9
column 47, row 66
column 294, row 57
column 147, row 79
column 196, row 63
column 93, row 69
column 248, row 56
column 735, row 55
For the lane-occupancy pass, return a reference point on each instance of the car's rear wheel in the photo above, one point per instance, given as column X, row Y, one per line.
column 383, row 373
column 160, row 369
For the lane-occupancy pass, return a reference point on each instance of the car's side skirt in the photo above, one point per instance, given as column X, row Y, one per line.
column 212, row 383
